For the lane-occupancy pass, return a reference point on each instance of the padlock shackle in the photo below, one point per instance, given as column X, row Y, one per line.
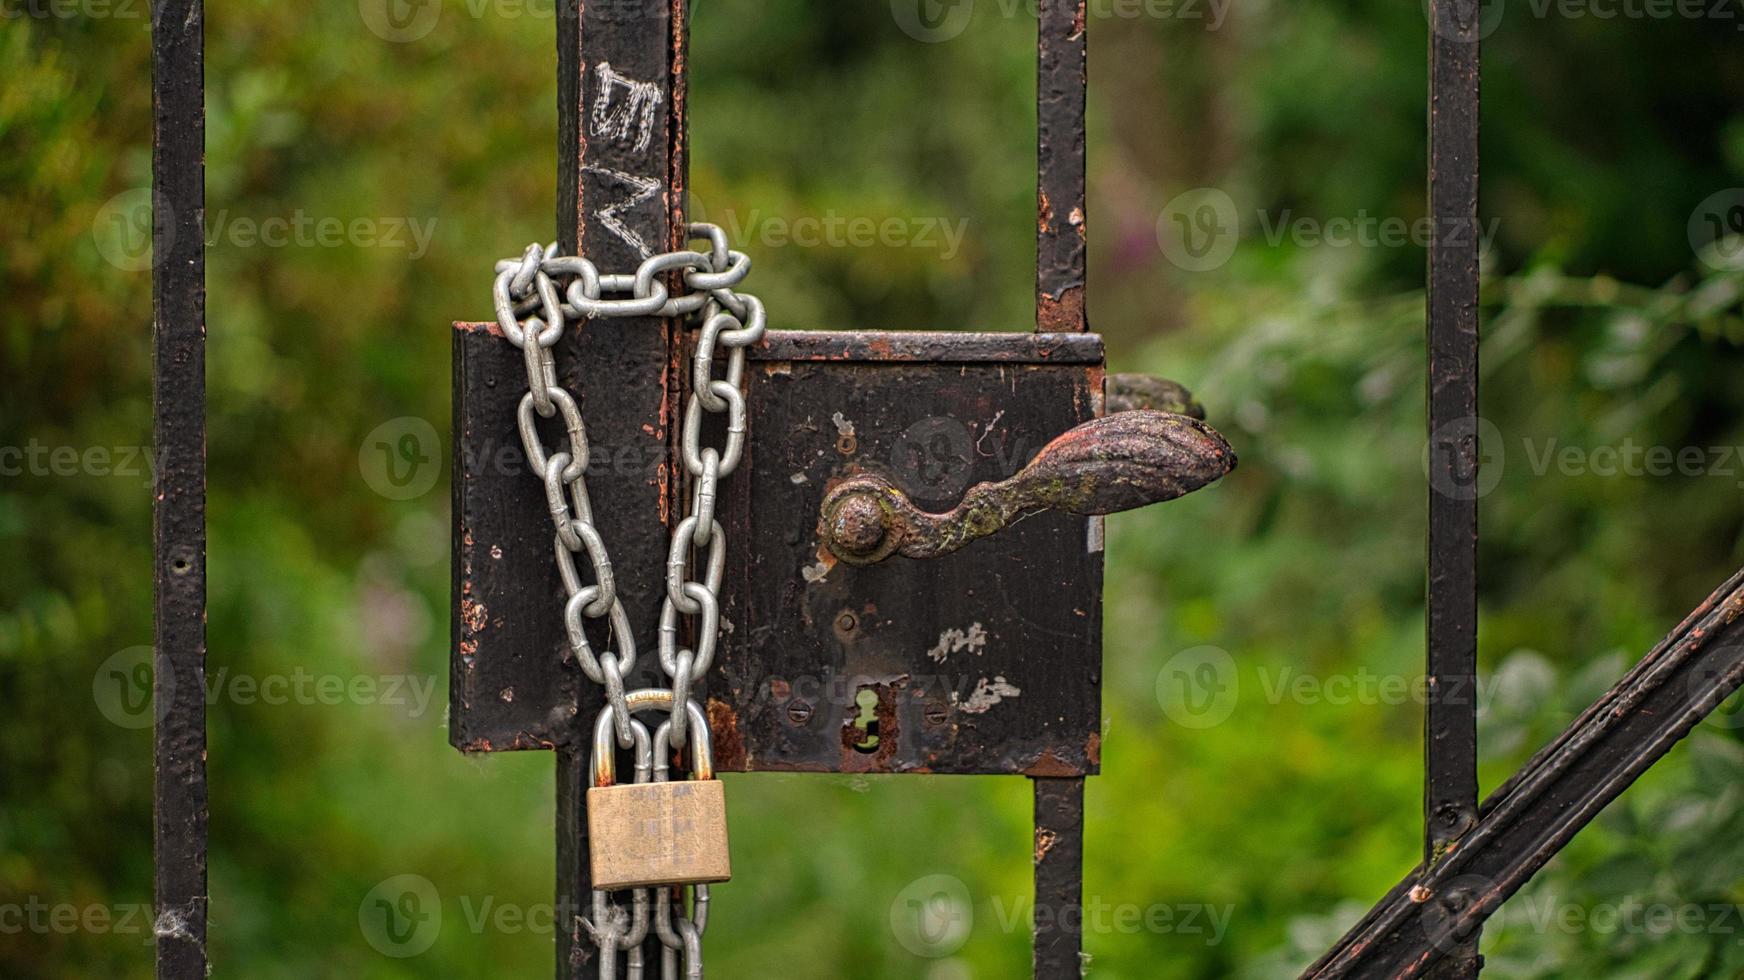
column 605, row 768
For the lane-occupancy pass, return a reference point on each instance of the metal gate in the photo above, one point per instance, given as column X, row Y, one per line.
column 1475, row 855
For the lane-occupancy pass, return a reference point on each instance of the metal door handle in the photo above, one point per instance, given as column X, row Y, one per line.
column 1114, row 463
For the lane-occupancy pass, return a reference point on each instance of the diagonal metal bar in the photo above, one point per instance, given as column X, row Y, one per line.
column 1439, row 907
column 1450, row 785
column 179, row 491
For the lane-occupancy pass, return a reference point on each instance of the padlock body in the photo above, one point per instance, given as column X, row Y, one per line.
column 671, row 833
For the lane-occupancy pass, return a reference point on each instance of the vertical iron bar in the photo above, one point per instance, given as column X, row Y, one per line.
column 1450, row 722
column 1059, row 877
column 619, row 199
column 179, row 508
column 1062, row 61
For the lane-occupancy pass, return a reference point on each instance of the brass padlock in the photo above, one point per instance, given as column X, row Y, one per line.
column 663, row 833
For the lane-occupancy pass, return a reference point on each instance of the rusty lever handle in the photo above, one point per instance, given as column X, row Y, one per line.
column 1115, row 463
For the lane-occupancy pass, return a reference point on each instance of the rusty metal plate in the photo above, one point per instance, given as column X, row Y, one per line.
column 987, row 660
column 983, row 661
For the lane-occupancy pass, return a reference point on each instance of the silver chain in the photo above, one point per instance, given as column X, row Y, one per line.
column 532, row 312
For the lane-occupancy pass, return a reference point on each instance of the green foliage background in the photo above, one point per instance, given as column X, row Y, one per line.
column 1603, row 324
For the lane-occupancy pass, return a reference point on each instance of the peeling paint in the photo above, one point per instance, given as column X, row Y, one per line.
column 1045, row 840
column 952, row 640
column 986, row 694
column 474, row 615
column 814, row 574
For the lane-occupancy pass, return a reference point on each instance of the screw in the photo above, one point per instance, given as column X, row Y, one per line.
column 935, row 713
column 798, row 712
column 847, row 622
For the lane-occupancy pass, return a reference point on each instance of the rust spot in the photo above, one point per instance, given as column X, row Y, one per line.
column 1050, row 764
column 882, row 346
column 1093, row 748
column 1045, row 840
column 665, row 485
column 728, row 741
column 1063, row 313
column 1044, row 211
column 521, row 742
column 492, row 328
column 473, row 616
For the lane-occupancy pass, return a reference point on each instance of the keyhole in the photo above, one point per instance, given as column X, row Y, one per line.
column 867, row 702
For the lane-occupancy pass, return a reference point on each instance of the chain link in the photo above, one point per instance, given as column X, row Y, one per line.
column 532, row 311
column 682, row 939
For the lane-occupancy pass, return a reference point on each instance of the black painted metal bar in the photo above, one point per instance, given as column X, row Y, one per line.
column 620, row 185
column 1450, row 719
column 1059, row 877
column 179, row 511
column 1062, row 67
column 1062, row 63
column 1439, row 907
